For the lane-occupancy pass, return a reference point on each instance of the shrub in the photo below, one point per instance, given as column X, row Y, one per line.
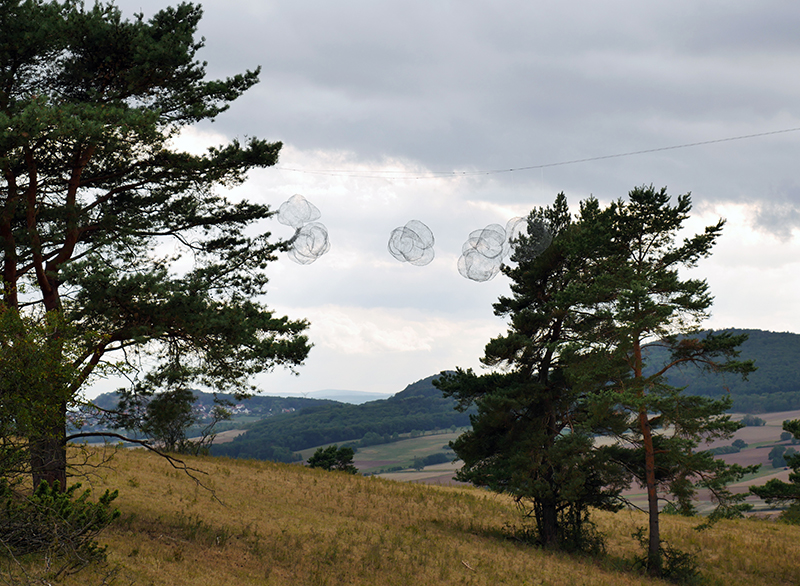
column 752, row 421
column 778, row 455
column 57, row 524
column 333, row 458
column 725, row 450
column 438, row 458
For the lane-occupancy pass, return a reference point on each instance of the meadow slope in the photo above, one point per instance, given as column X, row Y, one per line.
column 279, row 524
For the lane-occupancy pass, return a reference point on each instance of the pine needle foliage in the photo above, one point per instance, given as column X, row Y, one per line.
column 108, row 227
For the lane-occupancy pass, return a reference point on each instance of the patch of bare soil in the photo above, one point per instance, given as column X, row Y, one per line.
column 372, row 463
column 780, row 474
column 224, row 437
column 771, row 432
column 749, row 457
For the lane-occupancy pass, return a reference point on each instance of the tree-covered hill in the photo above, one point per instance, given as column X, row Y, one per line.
column 775, row 386
column 292, row 424
column 255, row 406
column 243, row 412
column 420, row 406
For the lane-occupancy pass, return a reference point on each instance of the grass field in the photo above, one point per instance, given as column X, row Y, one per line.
column 277, row 524
column 373, row 459
column 760, row 439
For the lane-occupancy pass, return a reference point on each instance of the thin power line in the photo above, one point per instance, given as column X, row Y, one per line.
column 437, row 174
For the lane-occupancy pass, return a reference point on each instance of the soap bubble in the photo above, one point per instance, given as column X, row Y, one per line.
column 297, row 211
column 484, row 251
column 309, row 243
column 310, row 240
column 413, row 243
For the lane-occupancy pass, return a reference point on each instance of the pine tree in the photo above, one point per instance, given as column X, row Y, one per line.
column 334, row 458
column 651, row 306
column 110, row 230
column 530, row 437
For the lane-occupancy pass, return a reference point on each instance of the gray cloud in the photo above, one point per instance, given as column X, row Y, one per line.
column 477, row 86
column 779, row 214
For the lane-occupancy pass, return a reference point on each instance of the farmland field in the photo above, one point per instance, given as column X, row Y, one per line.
column 379, row 459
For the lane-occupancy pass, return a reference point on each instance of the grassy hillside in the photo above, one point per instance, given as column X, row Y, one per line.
column 280, row 524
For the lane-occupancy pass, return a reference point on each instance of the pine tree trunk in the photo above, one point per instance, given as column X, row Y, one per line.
column 547, row 519
column 654, row 536
column 654, row 541
column 48, row 451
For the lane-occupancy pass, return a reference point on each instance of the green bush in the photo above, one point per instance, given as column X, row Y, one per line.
column 56, row 524
column 333, row 458
column 725, row 450
column 752, row 421
column 438, row 458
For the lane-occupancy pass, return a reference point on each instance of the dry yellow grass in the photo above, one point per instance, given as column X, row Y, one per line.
column 285, row 524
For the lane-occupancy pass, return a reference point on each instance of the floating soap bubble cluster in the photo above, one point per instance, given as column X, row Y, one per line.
column 309, row 243
column 481, row 255
column 297, row 211
column 310, row 240
column 412, row 243
column 484, row 251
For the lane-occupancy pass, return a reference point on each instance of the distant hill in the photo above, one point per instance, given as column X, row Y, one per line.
column 278, row 427
column 243, row 411
column 257, row 406
column 420, row 406
column 353, row 397
column 775, row 386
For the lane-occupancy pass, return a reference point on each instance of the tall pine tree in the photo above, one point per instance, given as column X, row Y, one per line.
column 650, row 305
column 529, row 436
column 115, row 238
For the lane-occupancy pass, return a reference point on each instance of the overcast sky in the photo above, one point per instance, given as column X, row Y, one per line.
column 391, row 111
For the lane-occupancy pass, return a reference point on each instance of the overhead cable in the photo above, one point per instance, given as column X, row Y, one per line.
column 447, row 174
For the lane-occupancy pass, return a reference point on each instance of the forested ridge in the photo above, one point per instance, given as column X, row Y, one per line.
column 419, row 407
column 775, row 386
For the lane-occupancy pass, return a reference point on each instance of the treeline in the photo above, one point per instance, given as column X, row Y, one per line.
column 420, row 407
column 257, row 405
column 775, row 386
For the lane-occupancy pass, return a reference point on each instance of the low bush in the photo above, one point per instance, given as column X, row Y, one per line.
column 59, row 525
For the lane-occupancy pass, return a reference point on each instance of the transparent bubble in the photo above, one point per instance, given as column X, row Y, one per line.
column 514, row 227
column 309, row 243
column 413, row 243
column 297, row 211
column 488, row 242
column 540, row 237
column 477, row 267
column 483, row 253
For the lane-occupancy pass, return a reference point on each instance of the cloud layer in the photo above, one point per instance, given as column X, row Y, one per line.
column 393, row 111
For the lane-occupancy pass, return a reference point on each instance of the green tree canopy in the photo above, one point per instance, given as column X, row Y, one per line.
column 585, row 314
column 105, row 224
column 334, row 458
column 530, row 437
column 778, row 491
column 647, row 304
